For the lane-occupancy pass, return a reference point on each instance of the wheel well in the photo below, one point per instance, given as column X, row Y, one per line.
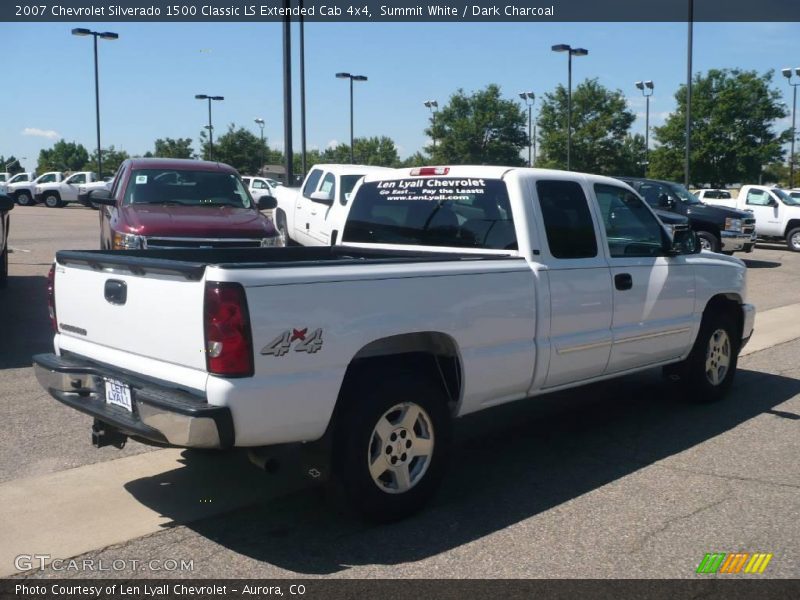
column 280, row 214
column 429, row 351
column 794, row 223
column 727, row 304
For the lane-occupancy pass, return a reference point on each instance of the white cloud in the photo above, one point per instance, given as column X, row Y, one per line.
column 332, row 144
column 45, row 133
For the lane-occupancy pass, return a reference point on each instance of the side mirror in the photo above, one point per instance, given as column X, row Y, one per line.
column 684, row 241
column 666, row 202
column 322, row 198
column 101, row 196
column 267, row 203
column 6, row 203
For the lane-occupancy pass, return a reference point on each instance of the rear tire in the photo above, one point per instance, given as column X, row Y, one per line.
column 392, row 444
column 793, row 240
column 708, row 241
column 708, row 371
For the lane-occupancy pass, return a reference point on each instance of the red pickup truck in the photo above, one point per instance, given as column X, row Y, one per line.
column 178, row 203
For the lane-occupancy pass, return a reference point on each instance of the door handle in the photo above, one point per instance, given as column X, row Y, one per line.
column 623, row 281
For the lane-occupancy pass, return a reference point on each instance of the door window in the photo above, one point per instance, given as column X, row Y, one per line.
column 329, row 185
column 631, row 229
column 76, row 179
column 311, row 183
column 652, row 192
column 758, row 197
column 259, row 185
column 48, row 178
column 567, row 220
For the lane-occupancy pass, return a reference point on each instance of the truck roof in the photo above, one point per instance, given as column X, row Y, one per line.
column 180, row 164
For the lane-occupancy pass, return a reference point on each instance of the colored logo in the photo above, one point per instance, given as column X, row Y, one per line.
column 734, row 562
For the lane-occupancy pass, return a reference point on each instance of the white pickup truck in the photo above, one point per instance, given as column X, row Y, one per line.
column 452, row 289
column 312, row 215
column 58, row 194
column 776, row 211
column 24, row 192
column 12, row 179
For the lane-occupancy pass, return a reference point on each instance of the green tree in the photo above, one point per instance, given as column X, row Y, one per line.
column 418, row 159
column 10, row 165
column 377, row 151
column 174, row 148
column 733, row 113
column 112, row 159
column 601, row 122
column 480, row 128
column 63, row 156
column 238, row 148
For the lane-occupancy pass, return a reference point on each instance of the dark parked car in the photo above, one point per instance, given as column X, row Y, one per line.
column 6, row 204
column 718, row 228
column 177, row 203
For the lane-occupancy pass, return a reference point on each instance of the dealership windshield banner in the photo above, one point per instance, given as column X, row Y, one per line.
column 401, row 10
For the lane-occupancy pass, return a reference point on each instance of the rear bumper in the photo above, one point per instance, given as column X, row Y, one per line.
column 160, row 414
column 748, row 322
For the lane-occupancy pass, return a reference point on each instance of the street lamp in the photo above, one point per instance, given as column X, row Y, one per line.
column 209, row 126
column 16, row 160
column 260, row 122
column 644, row 86
column 788, row 74
column 570, row 53
column 106, row 35
column 433, row 105
column 352, row 78
column 528, row 98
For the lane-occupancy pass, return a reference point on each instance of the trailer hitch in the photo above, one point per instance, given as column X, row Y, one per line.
column 104, row 434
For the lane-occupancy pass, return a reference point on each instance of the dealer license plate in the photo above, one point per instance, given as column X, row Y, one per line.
column 119, row 394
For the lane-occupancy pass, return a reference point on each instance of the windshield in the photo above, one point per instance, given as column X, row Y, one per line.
column 186, row 188
column 786, row 198
column 441, row 211
column 684, row 194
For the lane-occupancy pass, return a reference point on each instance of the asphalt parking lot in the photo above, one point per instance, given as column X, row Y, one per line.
column 615, row 480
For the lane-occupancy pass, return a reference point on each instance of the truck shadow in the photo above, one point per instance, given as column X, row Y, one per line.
column 761, row 264
column 24, row 321
column 510, row 463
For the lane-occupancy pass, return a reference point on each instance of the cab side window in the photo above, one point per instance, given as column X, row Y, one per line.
column 631, row 229
column 567, row 220
column 329, row 185
column 757, row 198
column 311, row 183
column 76, row 179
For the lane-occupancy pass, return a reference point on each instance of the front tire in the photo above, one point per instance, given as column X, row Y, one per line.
column 793, row 240
column 392, row 444
column 53, row 201
column 708, row 371
column 24, row 199
column 708, row 241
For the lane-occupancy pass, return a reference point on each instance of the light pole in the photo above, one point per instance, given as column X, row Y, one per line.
column 644, row 86
column 16, row 160
column 260, row 122
column 106, row 35
column 528, row 98
column 433, row 105
column 570, row 53
column 210, row 127
column 788, row 74
column 352, row 78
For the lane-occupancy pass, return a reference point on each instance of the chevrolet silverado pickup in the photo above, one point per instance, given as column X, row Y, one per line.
column 59, row 194
column 776, row 211
column 719, row 229
column 312, row 214
column 451, row 290
column 24, row 192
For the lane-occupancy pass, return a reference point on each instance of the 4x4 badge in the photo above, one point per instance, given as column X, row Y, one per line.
column 281, row 345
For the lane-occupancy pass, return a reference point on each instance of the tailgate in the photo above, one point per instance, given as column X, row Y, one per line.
column 158, row 315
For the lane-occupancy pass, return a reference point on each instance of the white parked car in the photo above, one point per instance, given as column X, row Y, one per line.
column 313, row 214
column 58, row 194
column 451, row 289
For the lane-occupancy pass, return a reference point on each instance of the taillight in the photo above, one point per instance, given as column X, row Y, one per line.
column 51, row 297
column 427, row 171
column 229, row 348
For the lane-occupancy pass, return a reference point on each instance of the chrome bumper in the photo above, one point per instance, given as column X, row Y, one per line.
column 748, row 323
column 732, row 241
column 160, row 414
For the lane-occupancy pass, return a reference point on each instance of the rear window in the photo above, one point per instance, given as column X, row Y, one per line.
column 186, row 188
column 437, row 211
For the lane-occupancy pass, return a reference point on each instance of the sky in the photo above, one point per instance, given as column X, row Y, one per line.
column 150, row 75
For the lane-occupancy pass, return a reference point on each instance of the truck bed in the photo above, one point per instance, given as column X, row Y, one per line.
column 192, row 262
